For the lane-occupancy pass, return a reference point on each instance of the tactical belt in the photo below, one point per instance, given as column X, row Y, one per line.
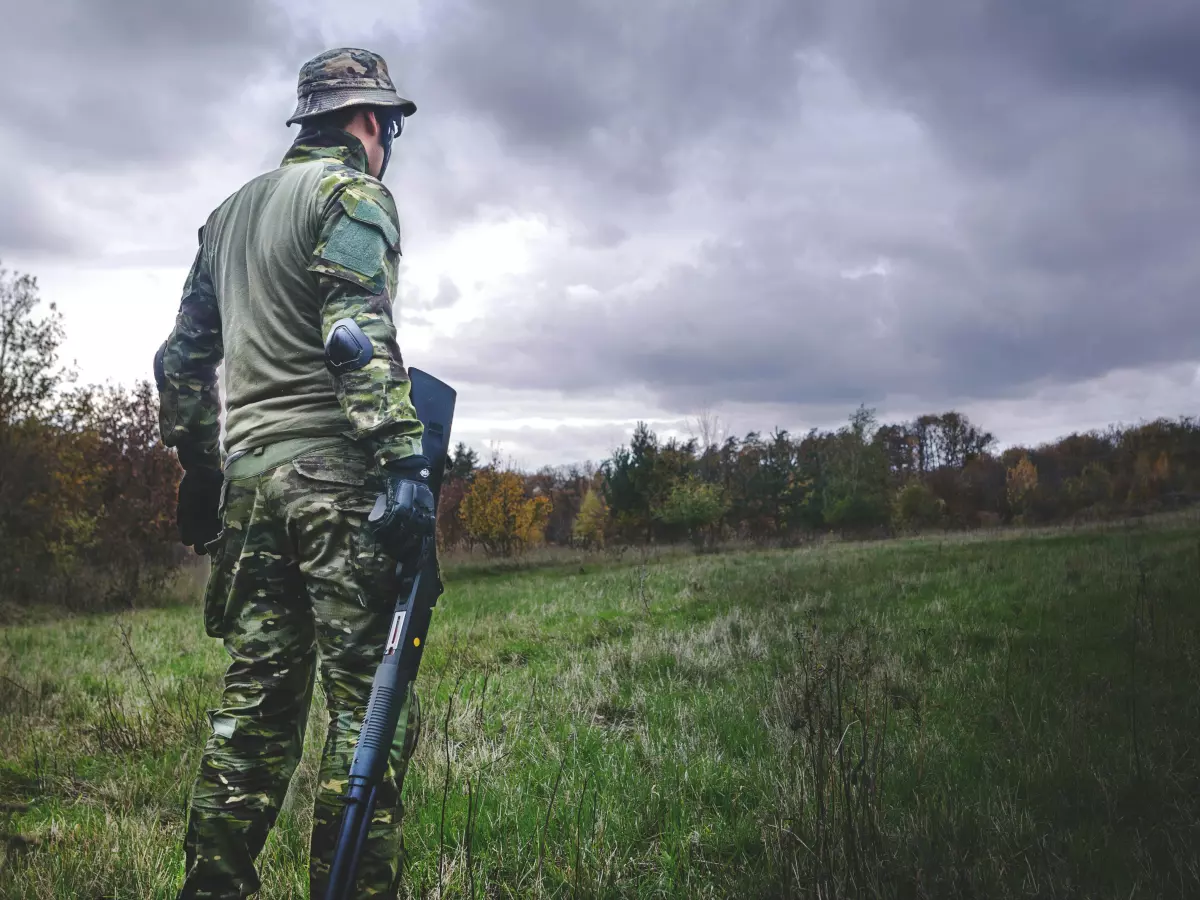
column 256, row 460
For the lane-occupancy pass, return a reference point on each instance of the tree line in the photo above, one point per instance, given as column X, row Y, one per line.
column 87, row 491
column 938, row 471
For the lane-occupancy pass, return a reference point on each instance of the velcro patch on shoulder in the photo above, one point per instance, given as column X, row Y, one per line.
column 355, row 246
column 369, row 212
column 359, row 243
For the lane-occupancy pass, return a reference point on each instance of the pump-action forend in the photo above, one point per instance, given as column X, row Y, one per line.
column 434, row 403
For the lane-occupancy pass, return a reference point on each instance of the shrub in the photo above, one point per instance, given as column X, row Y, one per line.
column 591, row 524
column 695, row 506
column 1022, row 482
column 916, row 506
column 499, row 517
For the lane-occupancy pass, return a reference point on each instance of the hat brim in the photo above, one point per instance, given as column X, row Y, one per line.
column 340, row 98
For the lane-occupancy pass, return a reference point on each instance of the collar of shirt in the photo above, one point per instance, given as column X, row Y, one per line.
column 338, row 145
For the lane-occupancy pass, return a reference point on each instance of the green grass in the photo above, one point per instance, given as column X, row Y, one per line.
column 1012, row 715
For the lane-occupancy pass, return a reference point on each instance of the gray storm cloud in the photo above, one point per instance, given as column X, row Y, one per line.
column 800, row 205
column 97, row 85
column 1042, row 222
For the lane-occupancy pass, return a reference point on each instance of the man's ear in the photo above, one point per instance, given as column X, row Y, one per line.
column 371, row 123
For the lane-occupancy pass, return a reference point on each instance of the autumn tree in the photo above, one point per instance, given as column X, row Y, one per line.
column 566, row 487
column 591, row 523
column 87, row 491
column 461, row 465
column 980, row 494
column 1150, row 478
column 499, row 517
column 451, row 530
column 1022, row 481
column 136, row 545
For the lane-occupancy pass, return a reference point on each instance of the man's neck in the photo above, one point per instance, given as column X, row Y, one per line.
column 328, row 144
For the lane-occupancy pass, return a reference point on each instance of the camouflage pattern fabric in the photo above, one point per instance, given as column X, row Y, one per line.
column 355, row 262
column 297, row 584
column 189, row 404
column 356, row 259
column 344, row 77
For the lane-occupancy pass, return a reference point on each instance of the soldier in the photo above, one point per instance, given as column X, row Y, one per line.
column 292, row 289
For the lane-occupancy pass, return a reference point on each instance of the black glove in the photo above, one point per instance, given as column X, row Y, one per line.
column 404, row 516
column 198, row 512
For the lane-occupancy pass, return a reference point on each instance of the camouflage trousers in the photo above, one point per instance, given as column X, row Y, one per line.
column 297, row 584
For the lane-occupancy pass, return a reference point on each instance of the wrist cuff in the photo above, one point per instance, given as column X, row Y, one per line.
column 193, row 457
column 397, row 450
column 410, row 467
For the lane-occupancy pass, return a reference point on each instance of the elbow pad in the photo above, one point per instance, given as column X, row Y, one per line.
column 347, row 348
column 160, row 374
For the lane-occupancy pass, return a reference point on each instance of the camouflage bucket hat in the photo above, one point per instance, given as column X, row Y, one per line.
column 345, row 77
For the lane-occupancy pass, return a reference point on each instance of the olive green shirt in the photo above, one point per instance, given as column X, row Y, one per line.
column 293, row 251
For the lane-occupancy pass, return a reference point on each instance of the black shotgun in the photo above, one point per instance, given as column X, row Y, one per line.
column 434, row 402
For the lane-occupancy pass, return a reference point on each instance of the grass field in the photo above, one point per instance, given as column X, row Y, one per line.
column 1008, row 716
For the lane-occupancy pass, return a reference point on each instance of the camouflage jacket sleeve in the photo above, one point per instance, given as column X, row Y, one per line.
column 186, row 373
column 356, row 260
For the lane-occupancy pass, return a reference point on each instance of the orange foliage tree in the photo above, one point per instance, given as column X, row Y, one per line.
column 1022, row 481
column 499, row 517
column 87, row 491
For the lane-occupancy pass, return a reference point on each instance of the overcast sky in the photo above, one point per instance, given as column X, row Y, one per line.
column 611, row 211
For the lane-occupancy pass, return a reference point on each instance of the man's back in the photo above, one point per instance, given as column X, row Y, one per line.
column 281, row 263
column 258, row 245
